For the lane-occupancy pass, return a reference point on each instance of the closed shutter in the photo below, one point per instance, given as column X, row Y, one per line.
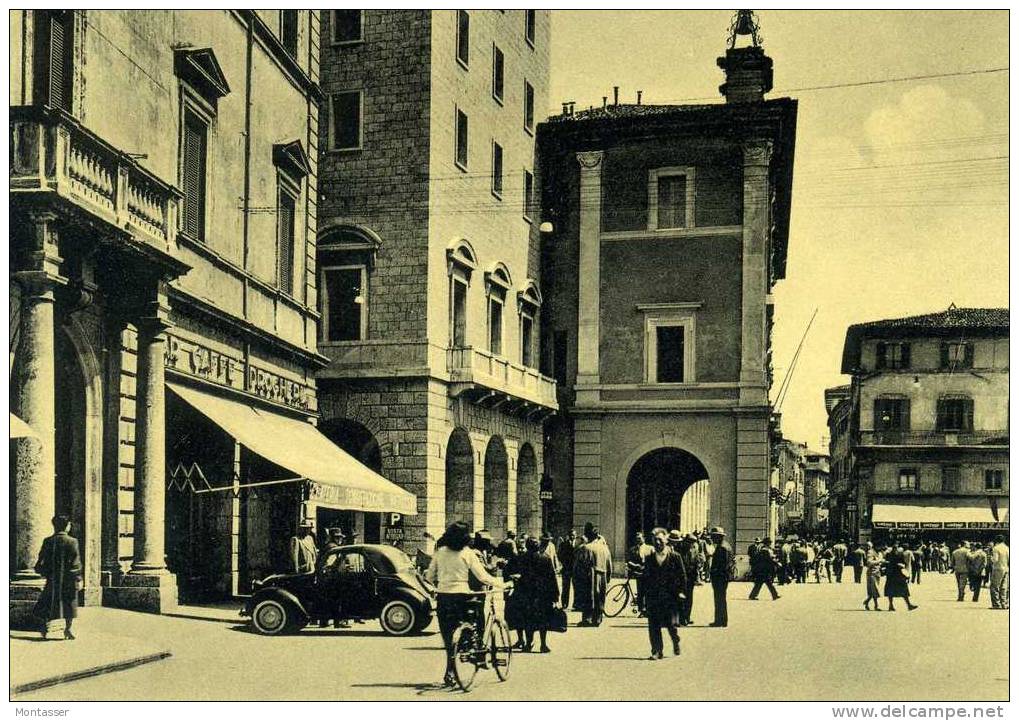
column 59, row 54
column 193, row 177
column 286, row 242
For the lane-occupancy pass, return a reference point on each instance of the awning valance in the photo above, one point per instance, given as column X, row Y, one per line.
column 973, row 513
column 338, row 478
column 20, row 429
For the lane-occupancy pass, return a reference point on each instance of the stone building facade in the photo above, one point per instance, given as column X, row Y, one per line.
column 428, row 262
column 671, row 227
column 920, row 436
column 163, row 193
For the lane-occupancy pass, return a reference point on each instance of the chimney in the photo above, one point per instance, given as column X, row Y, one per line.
column 639, row 93
column 566, row 108
column 604, row 102
column 615, row 95
column 748, row 71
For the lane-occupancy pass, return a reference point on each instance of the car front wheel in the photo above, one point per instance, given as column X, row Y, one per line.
column 398, row 618
column 272, row 617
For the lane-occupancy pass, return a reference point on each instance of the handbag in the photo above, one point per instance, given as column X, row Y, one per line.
column 557, row 620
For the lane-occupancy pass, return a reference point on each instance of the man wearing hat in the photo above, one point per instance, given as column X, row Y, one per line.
column 721, row 561
column 665, row 585
column 688, row 553
column 762, row 567
column 635, row 558
column 592, row 569
column 567, row 553
column 334, row 539
column 303, row 551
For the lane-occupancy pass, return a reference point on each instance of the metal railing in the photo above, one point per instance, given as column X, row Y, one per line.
column 934, row 438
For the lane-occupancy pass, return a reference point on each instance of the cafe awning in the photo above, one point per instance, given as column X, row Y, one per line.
column 338, row 479
column 20, row 429
column 943, row 512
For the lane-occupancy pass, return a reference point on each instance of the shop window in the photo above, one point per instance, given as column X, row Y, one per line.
column 498, row 73
column 671, row 198
column 461, row 139
column 908, row 479
column 54, row 53
column 955, row 414
column 344, row 302
column 194, row 152
column 530, row 20
column 347, row 26
column 463, row 38
column 528, row 107
column 496, row 170
column 346, row 112
column 891, row 414
column 892, row 356
column 288, row 31
column 956, row 355
column 950, row 476
column 993, row 479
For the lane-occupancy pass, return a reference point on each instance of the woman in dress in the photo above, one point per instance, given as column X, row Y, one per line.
column 872, row 560
column 450, row 571
column 538, row 595
column 896, row 580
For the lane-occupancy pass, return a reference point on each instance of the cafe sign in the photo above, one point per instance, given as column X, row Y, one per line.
column 946, row 525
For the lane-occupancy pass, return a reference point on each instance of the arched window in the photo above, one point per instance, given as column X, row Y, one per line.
column 346, row 257
column 461, row 263
column 528, row 305
column 498, row 282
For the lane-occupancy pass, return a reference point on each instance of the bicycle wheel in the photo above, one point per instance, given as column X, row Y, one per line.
column 616, row 599
column 500, row 649
column 465, row 665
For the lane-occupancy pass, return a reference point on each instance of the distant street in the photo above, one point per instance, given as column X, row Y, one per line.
column 815, row 643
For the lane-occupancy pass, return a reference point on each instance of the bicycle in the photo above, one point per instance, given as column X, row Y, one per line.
column 473, row 651
column 620, row 595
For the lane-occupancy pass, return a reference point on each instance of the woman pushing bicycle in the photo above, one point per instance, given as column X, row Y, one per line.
column 450, row 571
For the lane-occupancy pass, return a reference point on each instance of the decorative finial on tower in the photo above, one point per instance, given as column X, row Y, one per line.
column 744, row 22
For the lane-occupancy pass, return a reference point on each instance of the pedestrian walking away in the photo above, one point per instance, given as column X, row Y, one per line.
column 592, row 568
column 918, row 565
column 999, row 573
column 858, row 560
column 720, row 574
column 688, row 552
column 60, row 564
column 977, row 564
column 665, row 582
column 839, row 553
column 535, row 596
column 960, row 566
column 762, row 568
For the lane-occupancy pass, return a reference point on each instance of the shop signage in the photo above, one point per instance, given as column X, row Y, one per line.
column 947, row 525
column 195, row 359
column 394, row 527
column 544, row 495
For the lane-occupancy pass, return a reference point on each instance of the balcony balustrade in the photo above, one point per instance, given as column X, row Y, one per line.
column 934, row 438
column 494, row 380
column 52, row 153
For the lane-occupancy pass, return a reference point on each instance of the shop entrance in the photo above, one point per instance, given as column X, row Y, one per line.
column 357, row 440
column 655, row 487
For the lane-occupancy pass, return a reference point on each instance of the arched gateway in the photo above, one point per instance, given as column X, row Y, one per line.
column 655, row 487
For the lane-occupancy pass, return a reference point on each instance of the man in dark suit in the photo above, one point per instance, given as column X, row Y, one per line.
column 567, row 554
column 720, row 562
column 664, row 591
column 60, row 564
column 687, row 550
column 762, row 567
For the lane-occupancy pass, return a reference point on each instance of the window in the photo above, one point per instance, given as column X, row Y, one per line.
column 496, row 169
column 669, row 343
column 671, row 198
column 458, row 312
column 288, row 31
column 346, row 119
column 54, row 67
column 347, row 26
column 461, row 139
column 907, row 479
column 498, row 73
column 891, row 414
column 285, row 218
column 956, row 355
column 529, row 23
column 528, row 194
column 955, row 414
column 950, row 479
column 669, row 354
column 194, row 146
column 993, row 479
column 495, row 305
column 526, row 340
column 892, row 355
column 463, row 38
column 528, row 107
column 344, row 303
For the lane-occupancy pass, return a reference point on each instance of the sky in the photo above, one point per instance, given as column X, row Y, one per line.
column 900, row 189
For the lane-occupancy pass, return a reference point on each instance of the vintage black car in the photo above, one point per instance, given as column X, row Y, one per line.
column 362, row 581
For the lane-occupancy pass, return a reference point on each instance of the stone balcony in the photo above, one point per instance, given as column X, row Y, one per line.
column 494, row 381
column 54, row 157
column 934, row 438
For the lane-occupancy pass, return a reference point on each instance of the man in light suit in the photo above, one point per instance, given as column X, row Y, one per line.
column 720, row 562
column 960, row 565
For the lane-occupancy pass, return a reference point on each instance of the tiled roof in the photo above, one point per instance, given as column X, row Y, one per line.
column 951, row 318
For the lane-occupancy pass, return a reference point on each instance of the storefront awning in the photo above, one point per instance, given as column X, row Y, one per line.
column 972, row 513
column 20, row 429
column 338, row 479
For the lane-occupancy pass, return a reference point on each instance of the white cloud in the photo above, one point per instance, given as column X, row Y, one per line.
column 923, row 114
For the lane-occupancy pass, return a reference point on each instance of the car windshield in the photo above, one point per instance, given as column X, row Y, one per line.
column 392, row 560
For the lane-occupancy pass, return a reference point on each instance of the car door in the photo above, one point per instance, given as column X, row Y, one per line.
column 357, row 581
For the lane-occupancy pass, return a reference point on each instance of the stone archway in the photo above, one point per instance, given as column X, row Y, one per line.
column 496, row 488
column 359, row 441
column 655, row 486
column 459, row 478
column 528, row 505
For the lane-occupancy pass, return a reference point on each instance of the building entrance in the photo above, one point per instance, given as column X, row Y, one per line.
column 655, row 487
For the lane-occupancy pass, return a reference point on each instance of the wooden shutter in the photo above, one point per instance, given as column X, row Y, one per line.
column 286, row 242
column 58, row 60
column 193, row 177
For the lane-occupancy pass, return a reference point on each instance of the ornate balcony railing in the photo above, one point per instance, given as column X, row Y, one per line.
column 51, row 152
column 934, row 438
column 500, row 379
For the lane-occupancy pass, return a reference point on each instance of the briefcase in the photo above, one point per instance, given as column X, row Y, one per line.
column 557, row 620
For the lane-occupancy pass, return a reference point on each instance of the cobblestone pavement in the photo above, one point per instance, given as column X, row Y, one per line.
column 816, row 642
